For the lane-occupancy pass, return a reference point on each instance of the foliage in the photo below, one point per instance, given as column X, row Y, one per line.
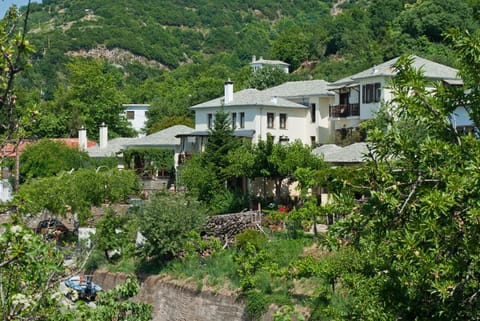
column 114, row 304
column 92, row 96
column 115, row 232
column 30, row 272
column 149, row 160
column 49, row 157
column 266, row 77
column 207, row 173
column 256, row 305
column 252, row 237
column 167, row 221
column 421, row 213
column 196, row 245
column 76, row 192
column 228, row 201
column 14, row 54
column 279, row 162
column 288, row 313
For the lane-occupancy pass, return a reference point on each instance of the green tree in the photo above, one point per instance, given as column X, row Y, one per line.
column 266, row 77
column 78, row 191
column 48, row 158
column 208, row 173
column 422, row 211
column 284, row 160
column 91, row 96
column 114, row 233
column 166, row 222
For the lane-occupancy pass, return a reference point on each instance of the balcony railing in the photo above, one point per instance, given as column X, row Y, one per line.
column 344, row 110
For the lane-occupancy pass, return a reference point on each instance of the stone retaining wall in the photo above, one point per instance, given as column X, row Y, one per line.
column 171, row 302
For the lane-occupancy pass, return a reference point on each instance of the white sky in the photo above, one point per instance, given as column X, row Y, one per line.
column 5, row 4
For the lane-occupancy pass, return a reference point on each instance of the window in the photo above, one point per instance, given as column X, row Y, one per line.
column 371, row 93
column 270, row 117
column 283, row 121
column 313, row 112
column 210, row 121
column 242, row 120
column 313, row 141
column 130, row 114
column 234, row 120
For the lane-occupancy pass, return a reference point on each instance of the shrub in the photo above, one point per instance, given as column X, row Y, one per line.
column 252, row 237
column 166, row 222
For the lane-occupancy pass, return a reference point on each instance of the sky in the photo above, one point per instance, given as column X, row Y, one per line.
column 5, row 4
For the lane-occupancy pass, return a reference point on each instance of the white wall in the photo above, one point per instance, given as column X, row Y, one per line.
column 140, row 110
column 5, row 191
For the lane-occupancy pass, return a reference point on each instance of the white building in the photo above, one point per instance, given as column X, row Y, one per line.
column 136, row 114
column 313, row 111
column 260, row 63
column 358, row 97
column 287, row 112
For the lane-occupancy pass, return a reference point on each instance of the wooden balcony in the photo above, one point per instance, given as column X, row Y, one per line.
column 344, row 110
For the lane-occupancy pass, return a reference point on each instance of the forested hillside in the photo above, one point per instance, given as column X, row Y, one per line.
column 173, row 54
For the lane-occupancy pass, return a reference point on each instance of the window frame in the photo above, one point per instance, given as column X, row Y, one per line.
column 283, row 121
column 209, row 120
column 371, row 93
column 270, row 120
column 242, row 120
column 130, row 114
column 313, row 112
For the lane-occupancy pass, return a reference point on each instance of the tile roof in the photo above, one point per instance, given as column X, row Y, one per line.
column 354, row 153
column 430, row 69
column 304, row 88
column 163, row 138
column 236, row 132
column 250, row 97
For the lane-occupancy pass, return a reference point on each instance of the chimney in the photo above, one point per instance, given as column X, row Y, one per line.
column 228, row 91
column 254, row 58
column 82, row 139
column 103, row 135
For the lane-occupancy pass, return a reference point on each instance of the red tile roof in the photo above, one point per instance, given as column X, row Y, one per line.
column 9, row 149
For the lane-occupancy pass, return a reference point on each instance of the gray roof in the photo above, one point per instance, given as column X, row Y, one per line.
column 354, row 153
column 162, row 138
column 304, row 88
column 250, row 97
column 430, row 69
column 269, row 62
column 113, row 147
column 237, row 132
column 166, row 137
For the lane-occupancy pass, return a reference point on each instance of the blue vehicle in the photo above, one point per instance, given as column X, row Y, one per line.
column 83, row 285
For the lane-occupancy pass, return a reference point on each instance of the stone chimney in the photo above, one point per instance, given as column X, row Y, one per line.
column 103, row 135
column 228, row 91
column 82, row 139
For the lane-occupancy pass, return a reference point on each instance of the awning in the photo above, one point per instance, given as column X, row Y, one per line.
column 344, row 86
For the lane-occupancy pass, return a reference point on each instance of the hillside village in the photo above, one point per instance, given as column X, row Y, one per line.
column 306, row 184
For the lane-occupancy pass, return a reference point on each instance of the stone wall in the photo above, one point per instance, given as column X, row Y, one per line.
column 226, row 226
column 172, row 302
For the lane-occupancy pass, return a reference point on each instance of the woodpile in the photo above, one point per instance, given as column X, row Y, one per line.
column 225, row 227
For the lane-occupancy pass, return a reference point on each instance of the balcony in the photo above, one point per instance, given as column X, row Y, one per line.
column 345, row 110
